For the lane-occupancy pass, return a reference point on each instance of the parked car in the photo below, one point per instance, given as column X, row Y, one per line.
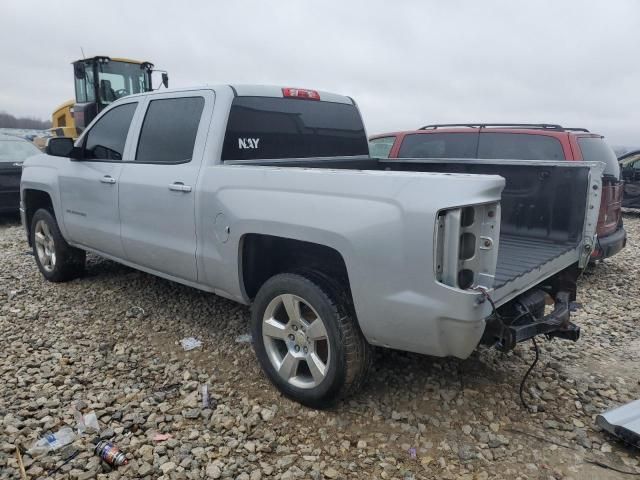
column 269, row 197
column 13, row 151
column 630, row 171
column 520, row 141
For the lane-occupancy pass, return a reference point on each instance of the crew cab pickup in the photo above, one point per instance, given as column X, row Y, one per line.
column 268, row 196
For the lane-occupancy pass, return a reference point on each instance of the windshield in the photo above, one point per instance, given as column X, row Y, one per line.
column 16, row 150
column 119, row 79
column 381, row 147
column 630, row 160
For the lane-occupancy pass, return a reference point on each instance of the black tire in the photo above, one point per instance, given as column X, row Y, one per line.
column 350, row 354
column 69, row 261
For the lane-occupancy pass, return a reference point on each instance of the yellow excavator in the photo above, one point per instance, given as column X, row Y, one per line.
column 100, row 81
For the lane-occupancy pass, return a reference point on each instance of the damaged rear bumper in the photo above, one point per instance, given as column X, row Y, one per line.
column 525, row 319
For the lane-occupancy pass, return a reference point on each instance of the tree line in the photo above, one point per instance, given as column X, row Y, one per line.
column 9, row 121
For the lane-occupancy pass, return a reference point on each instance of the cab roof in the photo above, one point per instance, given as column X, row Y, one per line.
column 242, row 90
column 113, row 59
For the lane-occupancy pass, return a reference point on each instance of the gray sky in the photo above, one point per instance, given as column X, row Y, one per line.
column 406, row 63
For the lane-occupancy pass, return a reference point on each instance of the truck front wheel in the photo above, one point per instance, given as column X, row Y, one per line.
column 307, row 342
column 56, row 259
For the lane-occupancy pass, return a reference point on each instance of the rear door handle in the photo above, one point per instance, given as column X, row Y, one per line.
column 180, row 187
column 108, row 179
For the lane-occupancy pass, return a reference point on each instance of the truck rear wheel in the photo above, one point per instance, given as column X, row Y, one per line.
column 56, row 259
column 307, row 342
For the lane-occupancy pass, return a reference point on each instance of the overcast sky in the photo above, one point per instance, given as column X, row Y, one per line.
column 406, row 63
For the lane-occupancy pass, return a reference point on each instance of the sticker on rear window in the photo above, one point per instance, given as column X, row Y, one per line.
column 245, row 143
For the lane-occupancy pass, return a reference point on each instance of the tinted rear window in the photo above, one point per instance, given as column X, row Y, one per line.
column 519, row 146
column 439, row 145
column 265, row 127
column 595, row 149
column 169, row 130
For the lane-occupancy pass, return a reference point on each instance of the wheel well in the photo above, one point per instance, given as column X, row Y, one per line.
column 264, row 256
column 33, row 201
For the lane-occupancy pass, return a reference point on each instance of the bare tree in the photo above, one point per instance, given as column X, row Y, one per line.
column 9, row 121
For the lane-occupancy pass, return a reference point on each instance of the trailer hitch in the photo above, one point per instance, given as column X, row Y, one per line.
column 525, row 319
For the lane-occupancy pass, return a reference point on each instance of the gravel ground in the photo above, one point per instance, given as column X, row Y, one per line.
column 109, row 343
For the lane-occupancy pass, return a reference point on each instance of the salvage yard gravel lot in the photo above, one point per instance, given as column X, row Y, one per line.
column 110, row 342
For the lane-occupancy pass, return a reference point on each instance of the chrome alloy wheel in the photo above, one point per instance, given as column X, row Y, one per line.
column 45, row 246
column 296, row 342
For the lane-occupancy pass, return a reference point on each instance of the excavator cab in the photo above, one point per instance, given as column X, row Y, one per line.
column 100, row 81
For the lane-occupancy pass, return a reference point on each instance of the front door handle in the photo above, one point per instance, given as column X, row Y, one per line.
column 108, row 179
column 180, row 187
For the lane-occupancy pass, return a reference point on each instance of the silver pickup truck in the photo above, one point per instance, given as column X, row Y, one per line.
column 268, row 196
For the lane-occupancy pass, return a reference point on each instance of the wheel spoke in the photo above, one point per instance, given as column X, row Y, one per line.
column 273, row 328
column 45, row 229
column 317, row 367
column 40, row 239
column 289, row 366
column 317, row 330
column 292, row 306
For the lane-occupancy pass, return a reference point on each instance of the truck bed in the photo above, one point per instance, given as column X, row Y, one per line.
column 519, row 256
column 543, row 205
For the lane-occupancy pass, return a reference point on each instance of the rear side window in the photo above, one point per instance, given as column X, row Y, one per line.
column 169, row 130
column 106, row 139
column 381, row 147
column 595, row 149
column 519, row 146
column 439, row 145
column 269, row 127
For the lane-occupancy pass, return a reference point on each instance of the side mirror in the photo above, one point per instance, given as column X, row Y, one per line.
column 165, row 79
column 60, row 147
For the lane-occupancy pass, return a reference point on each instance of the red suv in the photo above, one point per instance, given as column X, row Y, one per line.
column 524, row 142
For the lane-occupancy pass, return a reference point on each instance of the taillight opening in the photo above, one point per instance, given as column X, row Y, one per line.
column 301, row 93
column 466, row 240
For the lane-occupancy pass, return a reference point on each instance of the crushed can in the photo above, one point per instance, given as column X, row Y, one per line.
column 111, row 454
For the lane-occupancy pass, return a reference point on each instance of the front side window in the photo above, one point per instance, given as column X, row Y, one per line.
column 381, row 147
column 272, row 127
column 106, row 139
column 519, row 146
column 439, row 145
column 169, row 130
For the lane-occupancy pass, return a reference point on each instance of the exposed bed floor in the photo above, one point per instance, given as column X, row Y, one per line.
column 518, row 255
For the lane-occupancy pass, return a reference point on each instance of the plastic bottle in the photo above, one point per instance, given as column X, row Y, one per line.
column 53, row 441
